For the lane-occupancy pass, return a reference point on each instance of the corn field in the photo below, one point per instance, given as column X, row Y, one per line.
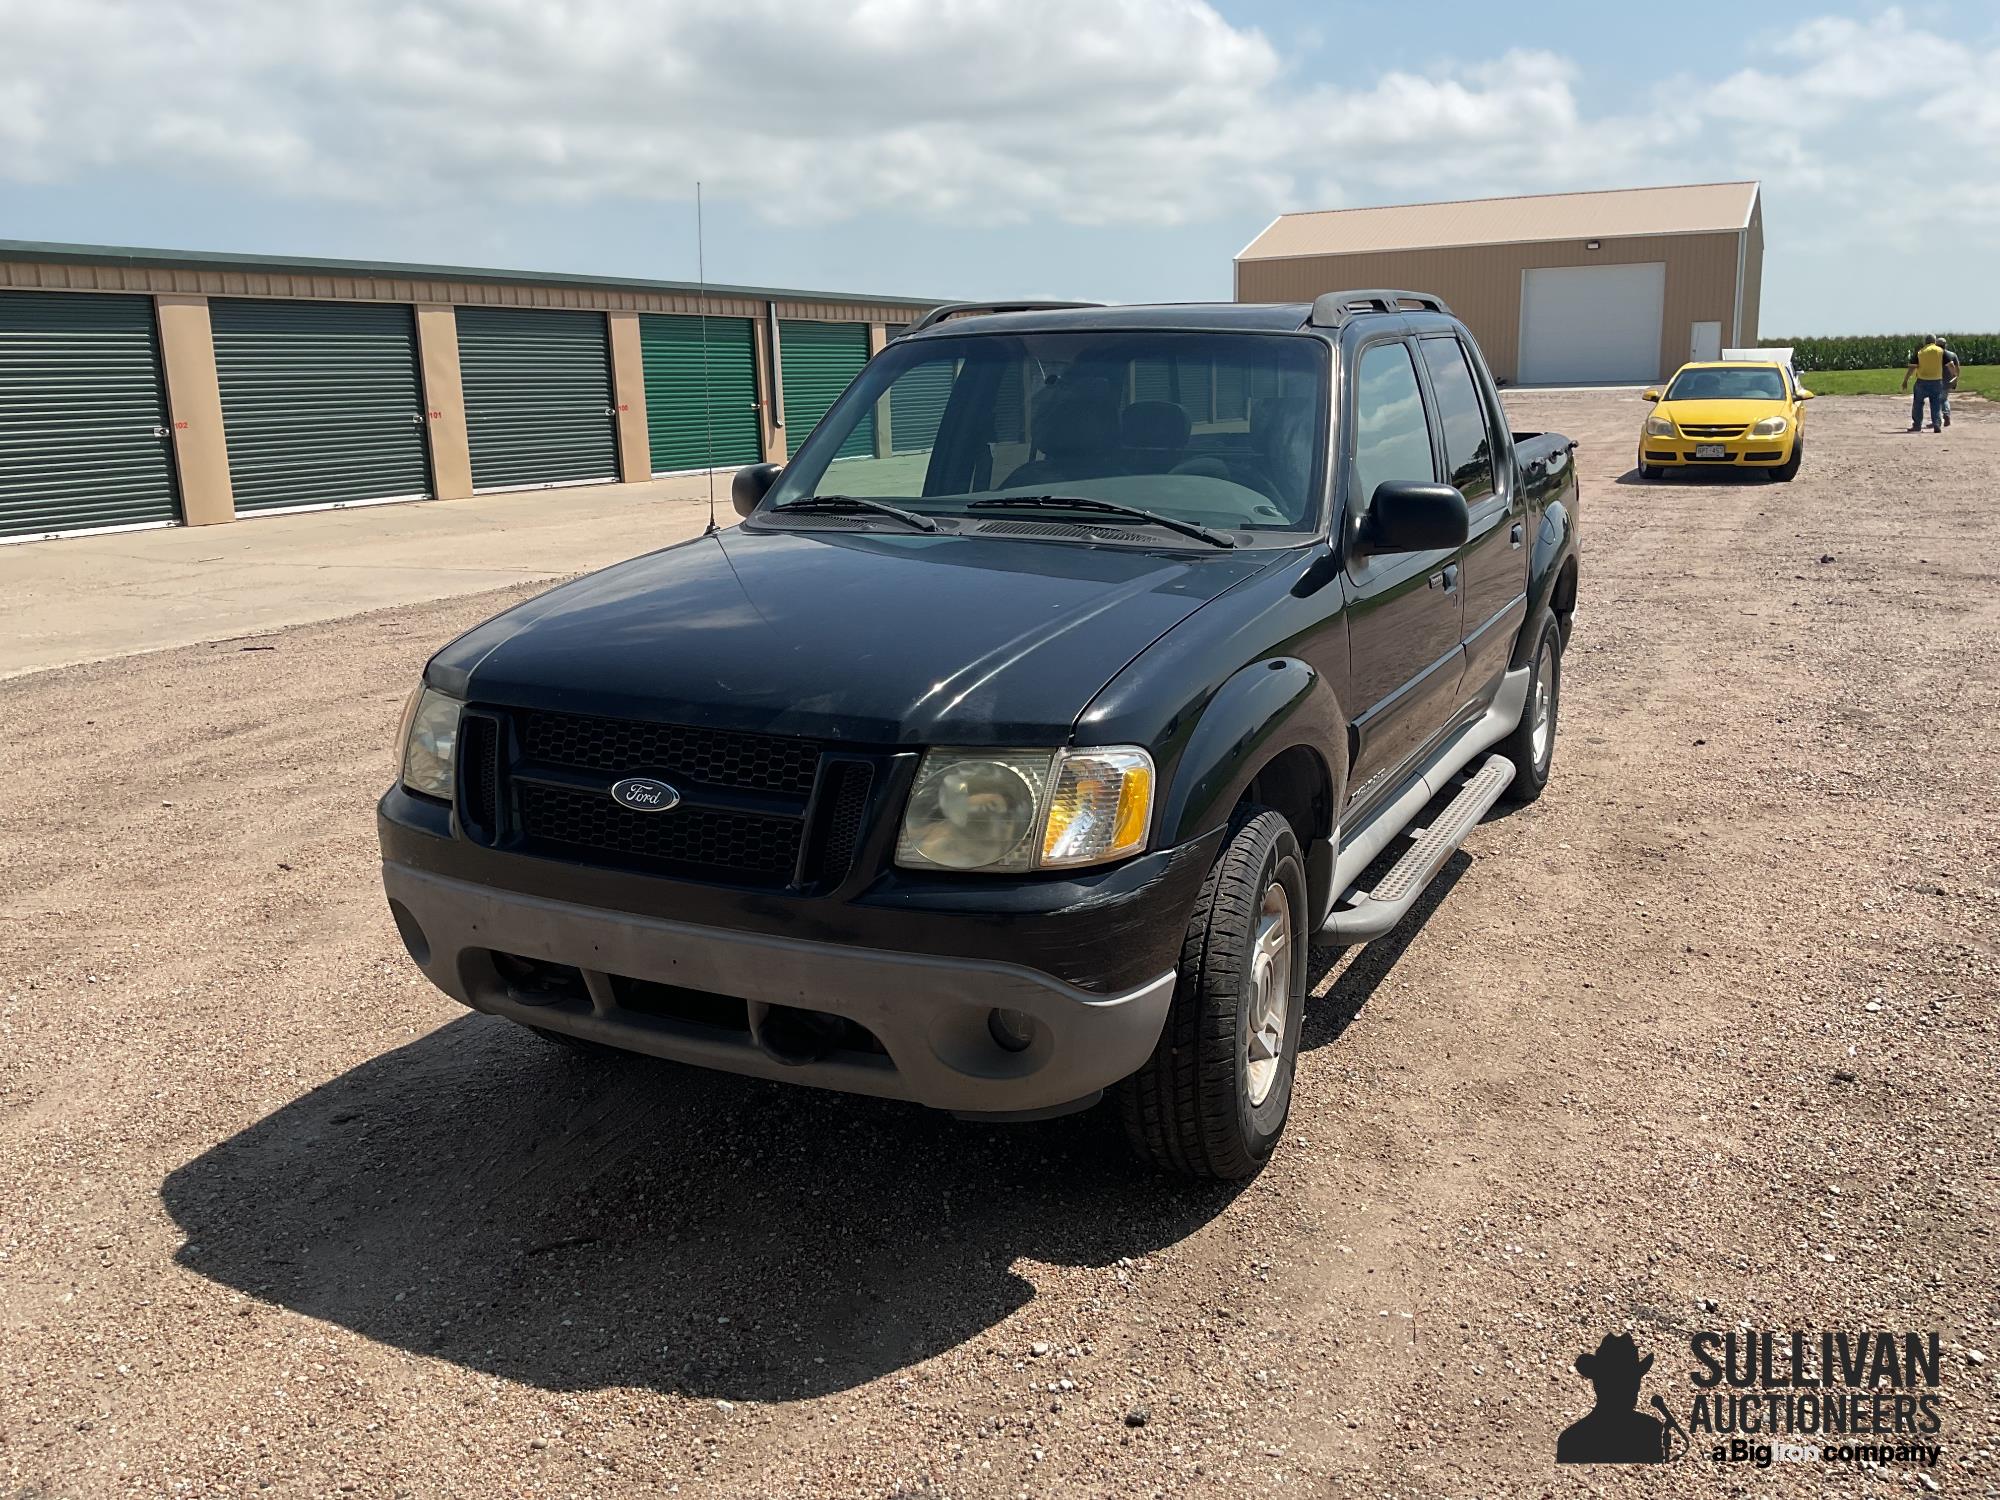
column 1882, row 351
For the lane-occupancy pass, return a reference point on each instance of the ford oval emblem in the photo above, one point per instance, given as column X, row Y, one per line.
column 643, row 794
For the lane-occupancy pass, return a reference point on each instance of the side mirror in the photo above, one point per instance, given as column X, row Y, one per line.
column 1651, row 393
column 1414, row 515
column 750, row 485
column 1805, row 395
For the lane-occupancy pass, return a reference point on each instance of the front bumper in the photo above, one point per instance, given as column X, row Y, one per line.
column 1683, row 452
column 732, row 999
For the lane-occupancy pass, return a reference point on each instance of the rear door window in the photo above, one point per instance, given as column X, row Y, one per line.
column 1468, row 440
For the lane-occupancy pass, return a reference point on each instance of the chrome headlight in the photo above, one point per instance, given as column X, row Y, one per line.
column 1009, row 811
column 430, row 733
column 1769, row 427
column 1659, row 427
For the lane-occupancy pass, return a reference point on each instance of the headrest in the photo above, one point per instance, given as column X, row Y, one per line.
column 1154, row 424
column 1077, row 418
column 1281, row 421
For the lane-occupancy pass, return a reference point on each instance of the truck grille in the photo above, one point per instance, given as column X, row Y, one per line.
column 540, row 782
column 714, row 757
column 690, row 839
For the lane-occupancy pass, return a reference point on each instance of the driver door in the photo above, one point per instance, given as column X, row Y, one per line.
column 1405, row 621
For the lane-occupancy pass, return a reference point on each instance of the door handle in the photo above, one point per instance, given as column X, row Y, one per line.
column 1516, row 535
column 1446, row 580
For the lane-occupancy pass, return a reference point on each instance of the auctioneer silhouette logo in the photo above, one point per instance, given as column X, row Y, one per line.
column 1615, row 1431
column 1867, row 1396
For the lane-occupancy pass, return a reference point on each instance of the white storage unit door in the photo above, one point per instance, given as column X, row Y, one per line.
column 1592, row 325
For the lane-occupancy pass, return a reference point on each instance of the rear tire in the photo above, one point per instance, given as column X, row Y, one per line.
column 1212, row 1099
column 1532, row 745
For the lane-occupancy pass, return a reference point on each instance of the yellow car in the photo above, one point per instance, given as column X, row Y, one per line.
column 1739, row 414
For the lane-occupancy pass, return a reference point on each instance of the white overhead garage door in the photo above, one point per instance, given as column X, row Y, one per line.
column 1587, row 325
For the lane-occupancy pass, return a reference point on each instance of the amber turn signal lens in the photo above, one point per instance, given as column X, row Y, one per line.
column 1101, row 807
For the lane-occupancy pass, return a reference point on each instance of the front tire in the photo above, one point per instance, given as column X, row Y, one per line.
column 1532, row 745
column 1787, row 471
column 1213, row 1098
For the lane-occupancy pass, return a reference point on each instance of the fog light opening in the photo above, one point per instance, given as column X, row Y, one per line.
column 1011, row 1030
column 794, row 1037
column 411, row 931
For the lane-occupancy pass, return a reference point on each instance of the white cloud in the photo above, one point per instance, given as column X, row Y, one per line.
column 1116, row 110
column 981, row 111
column 972, row 112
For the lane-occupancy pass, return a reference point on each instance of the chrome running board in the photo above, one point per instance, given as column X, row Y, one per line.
column 1371, row 914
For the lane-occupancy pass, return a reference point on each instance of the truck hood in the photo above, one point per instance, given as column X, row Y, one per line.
column 866, row 637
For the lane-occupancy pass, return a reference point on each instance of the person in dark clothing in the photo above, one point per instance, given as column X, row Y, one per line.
column 1950, row 379
column 1614, row 1431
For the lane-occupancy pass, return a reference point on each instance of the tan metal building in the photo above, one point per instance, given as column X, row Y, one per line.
column 155, row 387
column 1560, row 289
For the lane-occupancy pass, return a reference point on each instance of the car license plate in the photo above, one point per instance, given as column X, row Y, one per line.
column 1710, row 450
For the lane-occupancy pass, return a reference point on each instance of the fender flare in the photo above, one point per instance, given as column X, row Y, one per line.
column 1555, row 545
column 1264, row 709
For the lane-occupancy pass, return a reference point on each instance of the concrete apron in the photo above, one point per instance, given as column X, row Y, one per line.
column 87, row 598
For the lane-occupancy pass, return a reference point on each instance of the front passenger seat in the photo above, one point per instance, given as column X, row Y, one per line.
column 1076, row 434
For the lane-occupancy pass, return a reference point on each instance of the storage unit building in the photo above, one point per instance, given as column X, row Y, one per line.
column 322, row 402
column 84, row 435
column 1618, row 287
column 146, row 387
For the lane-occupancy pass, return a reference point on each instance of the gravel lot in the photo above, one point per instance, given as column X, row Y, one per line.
column 1714, row 1020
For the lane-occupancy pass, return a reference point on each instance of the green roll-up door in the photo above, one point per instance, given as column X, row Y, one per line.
column 916, row 404
column 538, row 406
column 322, row 402
column 680, row 434
column 85, row 440
column 819, row 361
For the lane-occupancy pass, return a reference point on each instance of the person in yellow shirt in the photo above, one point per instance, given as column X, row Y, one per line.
column 1927, row 364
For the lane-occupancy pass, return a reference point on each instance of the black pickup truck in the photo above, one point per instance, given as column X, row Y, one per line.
column 1084, row 666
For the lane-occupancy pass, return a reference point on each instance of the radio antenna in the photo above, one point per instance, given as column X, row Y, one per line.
column 707, row 396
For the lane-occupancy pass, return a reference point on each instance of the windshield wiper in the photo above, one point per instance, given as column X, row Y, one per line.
column 858, row 502
column 1108, row 507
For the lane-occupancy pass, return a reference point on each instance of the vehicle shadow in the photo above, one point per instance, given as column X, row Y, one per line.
column 577, row 1222
column 1356, row 973
column 1708, row 479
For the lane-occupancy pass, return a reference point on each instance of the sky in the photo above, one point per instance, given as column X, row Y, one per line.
column 1118, row 150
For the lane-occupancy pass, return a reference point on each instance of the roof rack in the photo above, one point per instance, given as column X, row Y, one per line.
column 974, row 309
column 1333, row 309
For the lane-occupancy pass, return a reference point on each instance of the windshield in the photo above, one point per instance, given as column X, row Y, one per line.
column 1219, row 430
column 1749, row 384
